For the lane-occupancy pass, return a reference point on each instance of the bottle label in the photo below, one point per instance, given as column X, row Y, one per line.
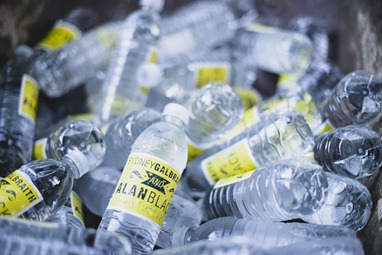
column 82, row 116
column 249, row 97
column 233, row 179
column 250, row 118
column 76, row 205
column 62, row 33
column 194, row 149
column 235, row 159
column 325, row 126
column 288, row 81
column 209, row 72
column 39, row 149
column 260, row 28
column 17, row 194
column 152, row 57
column 145, row 188
column 28, row 98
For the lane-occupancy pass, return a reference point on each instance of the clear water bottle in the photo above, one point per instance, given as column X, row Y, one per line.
column 122, row 133
column 65, row 30
column 356, row 99
column 71, row 214
column 348, row 204
column 266, row 233
column 354, row 151
column 39, row 188
column 214, row 109
column 75, row 135
column 282, row 191
column 272, row 49
column 20, row 236
column 332, row 245
column 69, row 67
column 96, row 188
column 276, row 138
column 18, row 105
column 182, row 213
column 202, row 25
column 317, row 31
column 120, row 92
column 141, row 199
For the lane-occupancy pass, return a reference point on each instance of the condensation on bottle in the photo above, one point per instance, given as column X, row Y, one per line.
column 284, row 190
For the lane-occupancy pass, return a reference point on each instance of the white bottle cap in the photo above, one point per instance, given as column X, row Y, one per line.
column 23, row 50
column 156, row 4
column 81, row 162
column 149, row 75
column 178, row 111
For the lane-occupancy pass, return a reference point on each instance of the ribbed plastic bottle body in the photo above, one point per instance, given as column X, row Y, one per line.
column 215, row 109
column 120, row 92
column 354, row 151
column 282, row 191
column 164, row 144
column 67, row 68
column 356, row 99
column 348, row 204
column 18, row 99
column 196, row 28
column 274, row 50
column 122, row 133
column 182, row 213
column 76, row 135
column 266, row 233
column 66, row 217
column 278, row 137
column 332, row 245
column 96, row 188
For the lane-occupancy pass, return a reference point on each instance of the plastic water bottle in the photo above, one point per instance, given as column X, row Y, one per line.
column 266, row 233
column 141, row 199
column 282, row 191
column 182, row 213
column 332, row 245
column 202, row 25
column 348, row 204
column 278, row 137
column 120, row 92
column 214, row 109
column 122, row 133
column 356, row 99
column 69, row 67
column 246, row 245
column 71, row 214
column 354, row 151
column 96, row 188
column 39, row 188
column 65, row 30
column 75, row 135
column 272, row 49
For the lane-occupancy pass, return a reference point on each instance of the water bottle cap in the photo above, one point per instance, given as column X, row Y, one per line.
column 156, row 4
column 178, row 111
column 81, row 162
column 149, row 75
column 23, row 50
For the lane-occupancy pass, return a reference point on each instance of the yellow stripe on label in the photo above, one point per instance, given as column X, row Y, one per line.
column 76, row 205
column 235, row 159
column 249, row 97
column 257, row 27
column 233, row 179
column 62, row 33
column 28, row 98
column 39, row 149
column 145, row 188
column 17, row 194
column 210, row 72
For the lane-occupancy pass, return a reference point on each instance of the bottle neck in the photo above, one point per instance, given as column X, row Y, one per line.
column 174, row 120
column 71, row 167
